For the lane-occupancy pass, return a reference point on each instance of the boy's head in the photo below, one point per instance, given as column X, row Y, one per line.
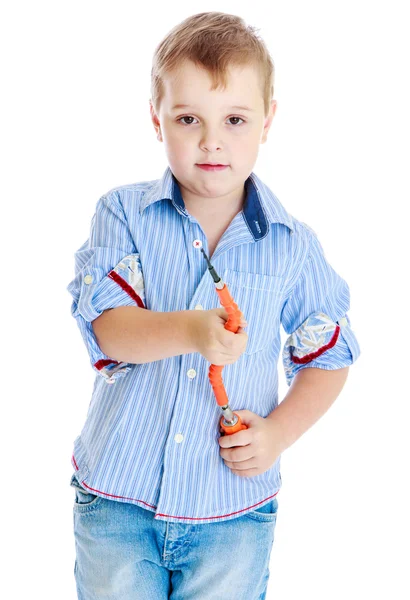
column 212, row 62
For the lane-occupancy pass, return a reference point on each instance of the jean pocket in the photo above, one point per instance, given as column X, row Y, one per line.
column 84, row 499
column 266, row 513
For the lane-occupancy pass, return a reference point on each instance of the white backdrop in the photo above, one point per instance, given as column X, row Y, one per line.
column 75, row 123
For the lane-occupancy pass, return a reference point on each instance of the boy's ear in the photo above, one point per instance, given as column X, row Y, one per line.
column 155, row 121
column 268, row 121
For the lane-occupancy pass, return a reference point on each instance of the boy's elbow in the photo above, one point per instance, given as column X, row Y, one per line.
column 101, row 328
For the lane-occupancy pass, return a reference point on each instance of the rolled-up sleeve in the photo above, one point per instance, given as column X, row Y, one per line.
column 315, row 316
column 108, row 274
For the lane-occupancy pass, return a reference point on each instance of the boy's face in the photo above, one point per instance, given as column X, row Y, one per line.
column 212, row 130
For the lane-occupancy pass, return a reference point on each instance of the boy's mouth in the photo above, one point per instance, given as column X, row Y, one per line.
column 211, row 167
column 213, row 164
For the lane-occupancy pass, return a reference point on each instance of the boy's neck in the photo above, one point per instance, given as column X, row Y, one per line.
column 213, row 208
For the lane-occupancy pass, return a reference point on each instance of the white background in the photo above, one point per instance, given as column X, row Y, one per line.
column 75, row 123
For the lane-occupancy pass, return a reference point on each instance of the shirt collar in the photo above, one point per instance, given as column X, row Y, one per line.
column 261, row 207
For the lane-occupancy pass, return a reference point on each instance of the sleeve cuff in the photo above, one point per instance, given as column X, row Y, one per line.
column 322, row 343
column 122, row 286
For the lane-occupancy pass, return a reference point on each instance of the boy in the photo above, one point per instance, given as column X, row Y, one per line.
column 165, row 506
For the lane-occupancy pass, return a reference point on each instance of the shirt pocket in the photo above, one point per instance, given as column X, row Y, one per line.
column 259, row 297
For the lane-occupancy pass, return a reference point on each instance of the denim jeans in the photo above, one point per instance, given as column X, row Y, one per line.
column 123, row 553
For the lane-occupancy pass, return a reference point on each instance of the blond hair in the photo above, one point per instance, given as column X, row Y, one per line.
column 214, row 41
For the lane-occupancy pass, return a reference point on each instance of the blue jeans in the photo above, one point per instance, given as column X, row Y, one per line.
column 123, row 553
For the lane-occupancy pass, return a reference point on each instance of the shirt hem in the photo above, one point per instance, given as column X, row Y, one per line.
column 82, row 471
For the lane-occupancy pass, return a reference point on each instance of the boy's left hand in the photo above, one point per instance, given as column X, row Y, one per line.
column 251, row 451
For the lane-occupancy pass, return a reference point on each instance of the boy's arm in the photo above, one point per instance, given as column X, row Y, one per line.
column 315, row 317
column 311, row 394
column 320, row 348
column 159, row 334
column 108, row 275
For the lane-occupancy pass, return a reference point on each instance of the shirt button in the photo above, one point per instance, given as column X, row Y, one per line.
column 199, row 307
column 191, row 373
column 88, row 279
column 197, row 244
column 110, row 380
column 178, row 438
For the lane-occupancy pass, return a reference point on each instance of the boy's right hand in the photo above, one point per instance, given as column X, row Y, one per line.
column 209, row 336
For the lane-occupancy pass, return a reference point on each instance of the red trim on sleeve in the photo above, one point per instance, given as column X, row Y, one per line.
column 126, row 287
column 103, row 362
column 309, row 357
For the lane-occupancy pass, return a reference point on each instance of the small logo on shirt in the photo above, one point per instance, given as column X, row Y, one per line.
column 257, row 226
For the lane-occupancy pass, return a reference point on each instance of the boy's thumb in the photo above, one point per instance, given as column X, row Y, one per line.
column 223, row 313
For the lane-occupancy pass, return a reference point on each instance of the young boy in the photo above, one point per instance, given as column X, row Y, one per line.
column 165, row 506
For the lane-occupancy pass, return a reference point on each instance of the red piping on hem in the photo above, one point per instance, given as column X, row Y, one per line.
column 313, row 355
column 217, row 516
column 126, row 287
column 173, row 516
column 114, row 496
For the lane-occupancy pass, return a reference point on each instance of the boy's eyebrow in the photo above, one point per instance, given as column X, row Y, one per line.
column 194, row 107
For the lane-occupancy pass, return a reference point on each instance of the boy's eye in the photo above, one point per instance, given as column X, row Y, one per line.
column 188, row 117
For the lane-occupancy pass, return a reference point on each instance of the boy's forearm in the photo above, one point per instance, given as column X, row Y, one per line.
column 137, row 335
column 311, row 394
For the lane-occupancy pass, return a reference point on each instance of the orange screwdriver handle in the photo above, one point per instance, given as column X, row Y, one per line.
column 234, row 319
column 215, row 371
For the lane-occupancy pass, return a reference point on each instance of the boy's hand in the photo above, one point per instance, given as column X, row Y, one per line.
column 251, row 451
column 210, row 338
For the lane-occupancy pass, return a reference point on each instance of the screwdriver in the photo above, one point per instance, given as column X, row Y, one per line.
column 230, row 422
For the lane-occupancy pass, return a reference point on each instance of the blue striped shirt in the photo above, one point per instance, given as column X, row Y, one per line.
column 151, row 432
